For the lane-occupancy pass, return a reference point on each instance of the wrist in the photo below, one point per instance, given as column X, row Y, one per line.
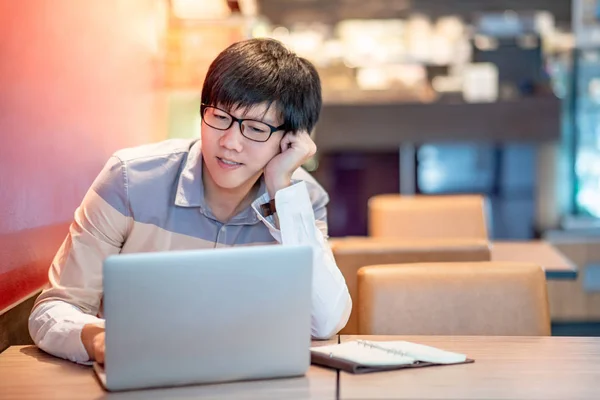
column 273, row 186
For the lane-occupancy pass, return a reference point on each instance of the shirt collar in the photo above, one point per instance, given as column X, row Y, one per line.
column 190, row 189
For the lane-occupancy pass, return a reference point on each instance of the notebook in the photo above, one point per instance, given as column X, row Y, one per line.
column 362, row 356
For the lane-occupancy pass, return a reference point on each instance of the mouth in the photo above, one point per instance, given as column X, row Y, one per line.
column 228, row 163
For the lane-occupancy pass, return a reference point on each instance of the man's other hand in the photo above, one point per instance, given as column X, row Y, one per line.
column 92, row 337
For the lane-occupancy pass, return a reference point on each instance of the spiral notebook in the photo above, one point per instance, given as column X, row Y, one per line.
column 362, row 356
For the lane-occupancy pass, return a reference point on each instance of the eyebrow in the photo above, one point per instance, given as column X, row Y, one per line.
column 266, row 121
column 245, row 115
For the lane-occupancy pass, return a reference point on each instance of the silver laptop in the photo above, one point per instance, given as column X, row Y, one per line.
column 206, row 316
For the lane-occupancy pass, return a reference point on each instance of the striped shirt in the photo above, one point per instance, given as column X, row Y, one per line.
column 151, row 198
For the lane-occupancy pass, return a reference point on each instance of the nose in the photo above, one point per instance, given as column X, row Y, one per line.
column 232, row 138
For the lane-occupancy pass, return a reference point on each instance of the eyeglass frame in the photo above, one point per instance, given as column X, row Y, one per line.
column 273, row 129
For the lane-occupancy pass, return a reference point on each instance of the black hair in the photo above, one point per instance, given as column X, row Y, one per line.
column 263, row 70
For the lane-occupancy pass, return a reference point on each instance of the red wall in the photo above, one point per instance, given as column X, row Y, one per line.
column 78, row 80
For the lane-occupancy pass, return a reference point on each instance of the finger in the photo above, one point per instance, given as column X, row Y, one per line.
column 308, row 143
column 312, row 146
column 100, row 353
column 99, row 348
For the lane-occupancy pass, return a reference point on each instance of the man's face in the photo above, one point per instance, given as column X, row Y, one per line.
column 231, row 159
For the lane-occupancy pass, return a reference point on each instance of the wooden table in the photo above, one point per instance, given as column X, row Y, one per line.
column 505, row 368
column 556, row 265
column 28, row 373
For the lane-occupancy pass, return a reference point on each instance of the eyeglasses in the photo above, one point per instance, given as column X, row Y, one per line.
column 257, row 131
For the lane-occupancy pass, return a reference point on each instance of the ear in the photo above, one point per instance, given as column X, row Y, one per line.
column 286, row 142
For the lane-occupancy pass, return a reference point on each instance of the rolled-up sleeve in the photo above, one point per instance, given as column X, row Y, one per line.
column 73, row 298
column 303, row 221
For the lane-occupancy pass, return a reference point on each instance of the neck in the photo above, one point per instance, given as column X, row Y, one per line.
column 226, row 203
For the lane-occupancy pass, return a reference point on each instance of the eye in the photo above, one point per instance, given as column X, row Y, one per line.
column 220, row 115
column 257, row 130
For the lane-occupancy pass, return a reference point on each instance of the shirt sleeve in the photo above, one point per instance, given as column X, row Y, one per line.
column 303, row 223
column 73, row 298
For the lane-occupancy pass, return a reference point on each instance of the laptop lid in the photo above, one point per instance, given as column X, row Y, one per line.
column 203, row 316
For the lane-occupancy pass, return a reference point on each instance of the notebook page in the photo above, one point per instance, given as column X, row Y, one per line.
column 421, row 352
column 358, row 353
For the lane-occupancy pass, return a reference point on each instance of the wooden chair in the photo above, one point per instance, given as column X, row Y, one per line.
column 458, row 298
column 431, row 217
column 352, row 253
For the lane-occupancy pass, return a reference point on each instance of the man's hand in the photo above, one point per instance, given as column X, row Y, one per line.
column 296, row 149
column 92, row 337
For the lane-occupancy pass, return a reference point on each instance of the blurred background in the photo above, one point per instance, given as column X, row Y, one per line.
column 494, row 97
column 498, row 97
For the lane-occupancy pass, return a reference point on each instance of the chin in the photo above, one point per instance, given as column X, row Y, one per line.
column 230, row 180
column 229, row 184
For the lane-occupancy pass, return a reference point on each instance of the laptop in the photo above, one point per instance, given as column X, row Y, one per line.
column 206, row 316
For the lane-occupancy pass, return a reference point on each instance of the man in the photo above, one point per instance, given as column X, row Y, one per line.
column 240, row 184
